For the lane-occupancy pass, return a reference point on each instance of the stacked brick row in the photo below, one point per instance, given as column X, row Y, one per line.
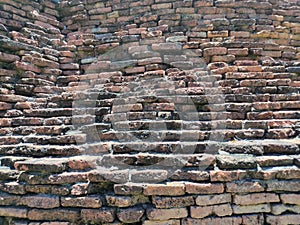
column 234, row 192
column 102, row 100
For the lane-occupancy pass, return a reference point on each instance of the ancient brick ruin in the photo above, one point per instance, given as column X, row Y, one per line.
column 153, row 112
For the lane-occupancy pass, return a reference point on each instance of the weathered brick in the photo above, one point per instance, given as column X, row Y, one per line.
column 169, row 189
column 222, row 33
column 40, row 201
column 204, row 200
column 278, row 209
column 13, row 188
column 173, row 202
column 251, row 209
column 288, row 174
column 291, row 186
column 166, row 214
column 53, row 214
column 13, row 212
column 238, row 51
column 236, row 162
column 167, row 47
column 119, row 201
column 283, row 219
column 253, row 83
column 128, row 189
column 196, row 188
column 256, row 198
column 164, row 222
column 80, row 189
column 204, row 211
column 127, row 108
column 84, row 202
column 290, row 198
column 152, row 176
column 244, row 187
column 99, row 215
column 130, row 215
column 215, row 51
column 46, row 165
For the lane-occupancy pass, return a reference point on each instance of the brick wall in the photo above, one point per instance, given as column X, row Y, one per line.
column 154, row 112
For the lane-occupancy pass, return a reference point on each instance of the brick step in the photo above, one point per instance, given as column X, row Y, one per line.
column 160, row 160
column 256, row 147
column 44, row 140
column 39, row 150
column 41, row 130
column 50, row 112
column 51, row 165
column 36, row 174
column 149, row 135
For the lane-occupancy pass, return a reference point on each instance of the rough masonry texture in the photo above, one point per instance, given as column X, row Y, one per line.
column 153, row 112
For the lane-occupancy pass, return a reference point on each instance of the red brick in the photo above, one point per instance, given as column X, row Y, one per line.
column 46, row 165
column 136, row 30
column 196, row 188
column 222, row 33
column 215, row 51
column 27, row 67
